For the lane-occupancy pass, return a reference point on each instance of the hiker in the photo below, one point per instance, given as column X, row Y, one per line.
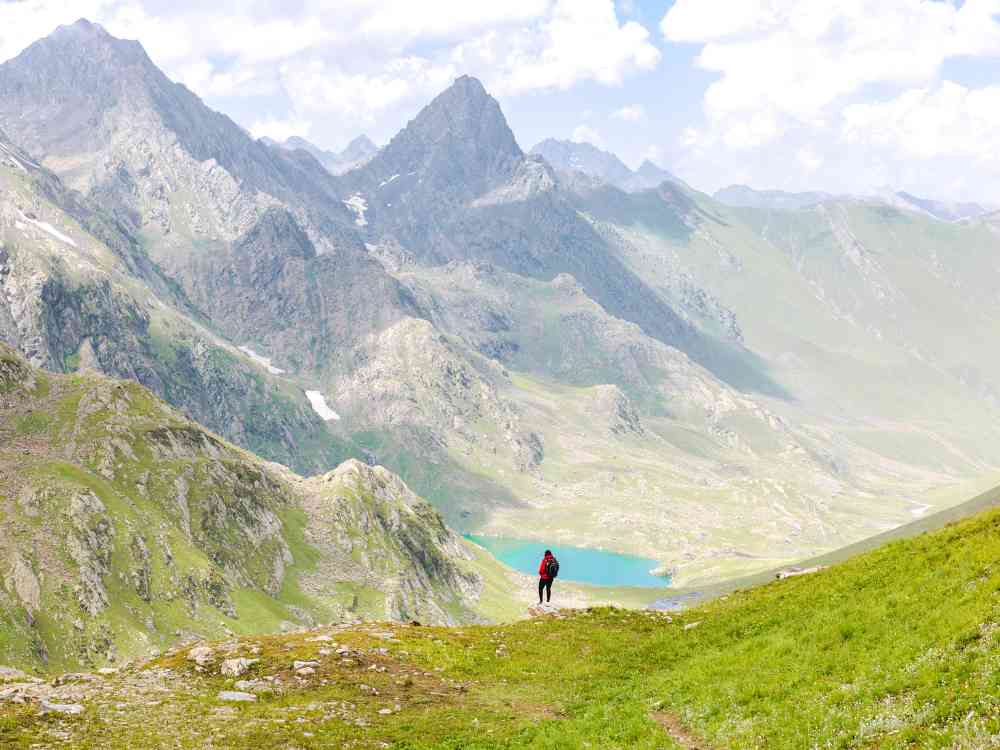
column 547, row 571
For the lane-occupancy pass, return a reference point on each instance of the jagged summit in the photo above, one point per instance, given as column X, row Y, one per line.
column 359, row 148
column 84, row 29
column 462, row 135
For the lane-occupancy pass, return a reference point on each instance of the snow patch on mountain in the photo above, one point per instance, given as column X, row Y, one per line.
column 264, row 362
column 319, row 405
column 49, row 230
column 358, row 205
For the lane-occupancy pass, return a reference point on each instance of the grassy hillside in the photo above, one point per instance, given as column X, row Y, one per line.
column 896, row 648
column 126, row 527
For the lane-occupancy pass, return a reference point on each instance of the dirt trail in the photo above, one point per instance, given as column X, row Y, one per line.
column 672, row 726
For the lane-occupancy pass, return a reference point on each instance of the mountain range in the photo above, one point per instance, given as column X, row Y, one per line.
column 356, row 153
column 743, row 196
column 585, row 158
column 539, row 344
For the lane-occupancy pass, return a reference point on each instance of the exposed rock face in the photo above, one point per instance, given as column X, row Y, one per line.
column 272, row 290
column 612, row 408
column 148, row 136
column 458, row 148
column 24, row 583
column 77, row 292
column 89, row 544
column 415, row 377
column 372, row 527
column 128, row 510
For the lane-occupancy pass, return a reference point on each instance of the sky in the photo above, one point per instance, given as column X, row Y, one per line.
column 848, row 96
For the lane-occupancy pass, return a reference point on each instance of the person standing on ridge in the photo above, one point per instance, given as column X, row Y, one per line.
column 547, row 572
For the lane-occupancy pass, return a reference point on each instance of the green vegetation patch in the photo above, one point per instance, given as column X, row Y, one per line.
column 897, row 648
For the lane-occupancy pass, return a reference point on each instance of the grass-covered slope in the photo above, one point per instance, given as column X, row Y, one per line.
column 896, row 648
column 126, row 527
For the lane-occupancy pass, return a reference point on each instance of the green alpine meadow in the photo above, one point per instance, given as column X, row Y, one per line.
column 591, row 374
column 894, row 648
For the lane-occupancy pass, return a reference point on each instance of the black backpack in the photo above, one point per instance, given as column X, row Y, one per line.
column 552, row 568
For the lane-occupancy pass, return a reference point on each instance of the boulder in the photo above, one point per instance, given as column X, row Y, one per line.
column 200, row 655
column 68, row 709
column 237, row 696
column 9, row 674
column 236, row 667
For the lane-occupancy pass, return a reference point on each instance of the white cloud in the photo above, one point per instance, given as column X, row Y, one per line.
column 784, row 62
column 652, row 153
column 809, row 159
column 631, row 113
column 586, row 134
column 845, row 93
column 280, row 129
column 443, row 18
column 577, row 41
column 360, row 98
column 948, row 120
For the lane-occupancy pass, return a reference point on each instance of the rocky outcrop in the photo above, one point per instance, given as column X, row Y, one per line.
column 612, row 409
column 367, row 522
column 412, row 376
column 128, row 510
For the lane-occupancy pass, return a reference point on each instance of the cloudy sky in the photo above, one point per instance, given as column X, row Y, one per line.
column 841, row 95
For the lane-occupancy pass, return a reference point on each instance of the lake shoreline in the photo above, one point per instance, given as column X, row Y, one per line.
column 581, row 565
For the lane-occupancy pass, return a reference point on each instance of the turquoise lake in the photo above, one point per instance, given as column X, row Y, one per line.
column 579, row 564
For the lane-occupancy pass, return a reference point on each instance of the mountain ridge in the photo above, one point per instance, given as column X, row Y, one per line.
column 588, row 159
column 164, row 527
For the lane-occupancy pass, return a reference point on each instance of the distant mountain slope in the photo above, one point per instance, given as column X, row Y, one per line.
column 583, row 157
column 454, row 185
column 944, row 210
column 742, row 196
column 356, row 153
column 605, row 166
column 127, row 526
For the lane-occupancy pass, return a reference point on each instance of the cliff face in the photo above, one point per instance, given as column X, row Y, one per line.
column 127, row 527
column 78, row 291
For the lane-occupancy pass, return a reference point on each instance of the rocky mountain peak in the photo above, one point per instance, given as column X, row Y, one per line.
column 460, row 138
column 651, row 171
column 55, row 94
column 84, row 48
column 359, row 149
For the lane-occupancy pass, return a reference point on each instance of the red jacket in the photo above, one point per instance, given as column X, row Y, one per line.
column 541, row 568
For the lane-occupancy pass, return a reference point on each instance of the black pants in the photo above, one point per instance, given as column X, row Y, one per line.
column 545, row 586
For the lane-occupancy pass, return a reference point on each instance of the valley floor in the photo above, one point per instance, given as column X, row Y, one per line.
column 896, row 648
